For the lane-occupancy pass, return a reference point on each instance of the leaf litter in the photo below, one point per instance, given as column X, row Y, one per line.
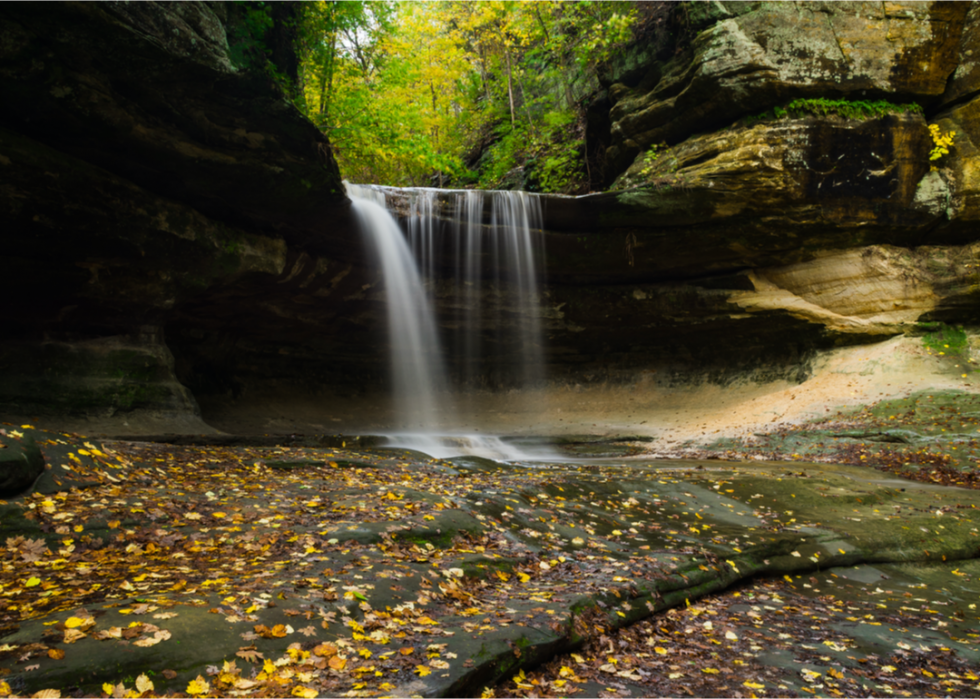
column 380, row 555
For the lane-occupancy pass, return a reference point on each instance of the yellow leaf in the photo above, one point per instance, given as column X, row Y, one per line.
column 503, row 576
column 73, row 622
column 198, row 686
column 709, row 670
column 305, row 692
column 56, row 653
column 753, row 685
column 731, row 636
column 422, row 670
column 337, row 663
column 660, row 651
column 32, row 582
column 108, row 688
column 524, row 577
column 325, row 650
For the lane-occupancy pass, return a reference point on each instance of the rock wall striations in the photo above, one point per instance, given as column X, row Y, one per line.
column 153, row 195
column 176, row 232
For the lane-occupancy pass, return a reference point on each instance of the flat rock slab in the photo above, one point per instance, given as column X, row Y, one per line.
column 900, row 630
column 366, row 573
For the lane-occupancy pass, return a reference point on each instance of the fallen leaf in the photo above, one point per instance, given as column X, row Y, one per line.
column 250, row 655
column 144, row 684
column 198, row 686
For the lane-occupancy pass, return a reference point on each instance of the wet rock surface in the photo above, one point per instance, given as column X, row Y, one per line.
column 390, row 572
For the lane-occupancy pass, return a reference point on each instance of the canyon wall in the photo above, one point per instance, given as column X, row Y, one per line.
column 177, row 237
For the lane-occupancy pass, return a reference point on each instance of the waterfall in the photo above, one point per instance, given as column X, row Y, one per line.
column 416, row 359
column 472, row 255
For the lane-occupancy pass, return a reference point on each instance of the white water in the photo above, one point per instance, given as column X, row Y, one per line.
column 420, row 385
column 489, row 242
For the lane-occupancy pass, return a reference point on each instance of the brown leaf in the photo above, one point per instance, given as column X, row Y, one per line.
column 249, row 655
column 72, row 635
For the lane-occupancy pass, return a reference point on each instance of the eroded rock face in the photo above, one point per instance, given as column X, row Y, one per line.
column 148, row 189
column 148, row 92
column 746, row 62
column 176, row 220
column 773, row 193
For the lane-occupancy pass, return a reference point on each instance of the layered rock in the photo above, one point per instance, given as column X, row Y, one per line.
column 178, row 235
column 752, row 57
column 150, row 189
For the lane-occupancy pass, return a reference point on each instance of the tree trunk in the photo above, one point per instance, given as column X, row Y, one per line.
column 510, row 88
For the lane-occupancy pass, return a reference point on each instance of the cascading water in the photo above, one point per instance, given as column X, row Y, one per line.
column 482, row 243
column 416, row 359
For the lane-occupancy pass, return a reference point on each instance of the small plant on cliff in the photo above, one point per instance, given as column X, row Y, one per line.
column 942, row 142
column 646, row 164
column 846, row 109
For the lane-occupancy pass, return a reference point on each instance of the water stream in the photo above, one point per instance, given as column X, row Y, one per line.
column 472, row 255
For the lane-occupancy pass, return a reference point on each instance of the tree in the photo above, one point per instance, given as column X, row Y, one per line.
column 405, row 90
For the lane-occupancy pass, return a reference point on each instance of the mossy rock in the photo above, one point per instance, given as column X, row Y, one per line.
column 21, row 462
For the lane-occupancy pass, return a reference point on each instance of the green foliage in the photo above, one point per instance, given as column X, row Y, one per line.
column 642, row 171
column 846, row 109
column 250, row 25
column 406, row 90
column 246, row 40
column 650, row 158
column 944, row 340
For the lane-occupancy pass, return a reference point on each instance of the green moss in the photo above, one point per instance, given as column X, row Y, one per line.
column 943, row 340
column 846, row 109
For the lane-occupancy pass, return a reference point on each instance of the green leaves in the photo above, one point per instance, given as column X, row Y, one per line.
column 409, row 90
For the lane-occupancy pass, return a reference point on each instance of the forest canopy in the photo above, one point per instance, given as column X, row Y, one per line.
column 488, row 93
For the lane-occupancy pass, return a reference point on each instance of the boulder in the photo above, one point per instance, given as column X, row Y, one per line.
column 773, row 193
column 778, row 52
column 21, row 462
column 148, row 92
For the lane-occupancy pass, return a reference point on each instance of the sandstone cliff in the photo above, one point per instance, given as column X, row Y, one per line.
column 176, row 232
